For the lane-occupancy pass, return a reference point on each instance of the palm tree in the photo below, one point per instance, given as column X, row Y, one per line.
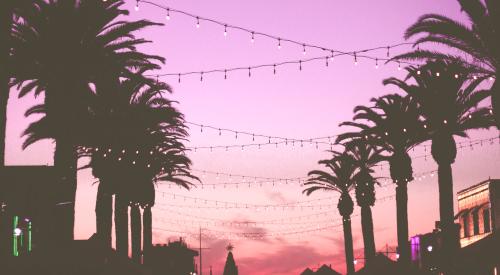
column 393, row 124
column 448, row 101
column 9, row 10
column 340, row 179
column 68, row 50
column 136, row 143
column 366, row 157
column 478, row 41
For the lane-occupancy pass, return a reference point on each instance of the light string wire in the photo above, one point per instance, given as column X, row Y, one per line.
column 356, row 54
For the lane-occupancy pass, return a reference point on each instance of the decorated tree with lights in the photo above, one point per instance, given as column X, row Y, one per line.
column 69, row 50
column 448, row 101
column 230, row 268
column 392, row 124
column 367, row 157
column 342, row 179
column 474, row 45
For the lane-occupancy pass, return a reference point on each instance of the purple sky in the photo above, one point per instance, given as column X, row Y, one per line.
column 292, row 103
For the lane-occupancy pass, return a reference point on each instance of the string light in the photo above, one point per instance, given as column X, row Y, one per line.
column 279, row 44
column 376, row 63
column 197, row 22
column 168, row 14
column 136, row 5
column 225, row 30
column 304, row 49
column 253, row 37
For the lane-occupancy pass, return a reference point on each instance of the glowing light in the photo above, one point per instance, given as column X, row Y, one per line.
column 418, row 72
column 197, row 22
column 437, row 74
column 17, row 231
column 279, row 43
column 137, row 7
column 304, row 49
column 253, row 38
column 225, row 30
column 456, row 75
column 429, row 248
column 355, row 261
column 168, row 14
column 376, row 63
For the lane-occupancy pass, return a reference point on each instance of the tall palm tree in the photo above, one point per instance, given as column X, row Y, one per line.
column 69, row 50
column 478, row 41
column 366, row 157
column 341, row 179
column 8, row 11
column 393, row 125
column 134, row 144
column 448, row 101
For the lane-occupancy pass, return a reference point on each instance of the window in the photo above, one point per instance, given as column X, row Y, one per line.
column 475, row 220
column 466, row 225
column 486, row 220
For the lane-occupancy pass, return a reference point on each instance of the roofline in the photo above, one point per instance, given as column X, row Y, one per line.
column 476, row 185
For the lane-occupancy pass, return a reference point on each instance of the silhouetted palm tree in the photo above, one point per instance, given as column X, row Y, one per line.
column 136, row 143
column 341, row 179
column 448, row 102
column 366, row 157
column 69, row 50
column 393, row 124
column 9, row 11
column 479, row 41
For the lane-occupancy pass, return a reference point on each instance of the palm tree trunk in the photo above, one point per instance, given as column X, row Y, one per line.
column 368, row 237
column 103, row 214
column 121, row 225
column 447, row 224
column 5, row 26
column 348, row 246
column 135, row 228
column 65, row 163
column 147, row 231
column 402, row 220
column 495, row 101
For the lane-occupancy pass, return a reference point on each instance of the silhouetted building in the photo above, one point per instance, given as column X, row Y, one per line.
column 425, row 250
column 323, row 270
column 479, row 211
column 28, row 209
column 326, row 270
column 307, row 271
column 382, row 265
column 172, row 259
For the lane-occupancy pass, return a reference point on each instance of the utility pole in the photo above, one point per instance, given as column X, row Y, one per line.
column 201, row 248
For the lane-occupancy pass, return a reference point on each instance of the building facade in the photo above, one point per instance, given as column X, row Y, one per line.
column 171, row 259
column 478, row 211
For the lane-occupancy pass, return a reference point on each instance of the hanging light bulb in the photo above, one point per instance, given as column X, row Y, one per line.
column 438, row 74
column 418, row 72
column 456, row 75
column 249, row 72
column 168, row 14
column 304, row 49
column 253, row 38
column 197, row 22
column 136, row 5
column 274, row 69
column 225, row 30
column 399, row 66
column 355, row 59
column 376, row 63
column 279, row 43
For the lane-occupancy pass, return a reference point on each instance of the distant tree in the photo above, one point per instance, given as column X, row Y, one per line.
column 341, row 178
column 392, row 124
column 448, row 101
column 68, row 50
column 478, row 41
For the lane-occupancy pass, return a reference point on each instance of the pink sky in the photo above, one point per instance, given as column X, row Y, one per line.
column 292, row 103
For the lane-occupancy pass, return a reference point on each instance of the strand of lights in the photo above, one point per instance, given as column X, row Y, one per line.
column 222, row 205
column 239, row 225
column 287, row 220
column 229, row 235
column 280, row 140
column 252, row 34
column 224, row 72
